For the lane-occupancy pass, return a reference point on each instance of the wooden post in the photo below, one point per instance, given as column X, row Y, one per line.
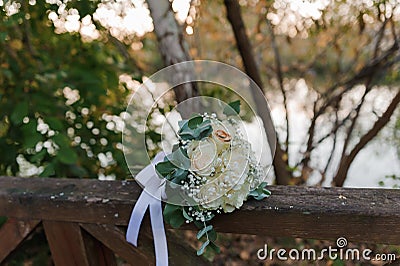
column 66, row 243
column 12, row 233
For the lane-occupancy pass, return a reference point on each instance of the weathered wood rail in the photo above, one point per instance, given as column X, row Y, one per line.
column 84, row 219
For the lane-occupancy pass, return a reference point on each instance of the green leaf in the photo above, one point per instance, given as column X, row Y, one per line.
column 173, row 215
column 48, row 171
column 201, row 131
column 175, row 147
column 260, row 192
column 195, row 121
column 203, row 231
column 182, row 123
column 179, row 159
column 177, row 220
column 78, row 171
column 202, row 248
column 161, row 110
column 3, row 36
column 165, row 168
column 31, row 136
column 154, row 136
column 215, row 247
column 232, row 108
column 38, row 157
column 212, row 235
column 54, row 123
column 205, row 132
column 186, row 215
column 67, row 156
column 178, row 175
column 61, row 140
column 169, row 209
column 19, row 112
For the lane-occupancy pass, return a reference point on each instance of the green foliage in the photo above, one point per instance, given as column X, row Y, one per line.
column 173, row 215
column 208, row 235
column 175, row 166
column 194, row 129
column 203, row 247
column 260, row 192
column 203, row 231
column 232, row 108
column 38, row 119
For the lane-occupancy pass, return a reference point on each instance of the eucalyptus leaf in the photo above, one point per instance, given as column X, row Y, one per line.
column 179, row 159
column 173, row 215
column 169, row 209
column 182, row 123
column 176, row 220
column 186, row 215
column 199, row 132
column 202, row 248
column 178, row 175
column 212, row 235
column 165, row 168
column 205, row 132
column 203, row 231
column 195, row 121
column 215, row 247
column 260, row 192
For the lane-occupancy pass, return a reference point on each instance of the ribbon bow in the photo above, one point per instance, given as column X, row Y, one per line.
column 151, row 196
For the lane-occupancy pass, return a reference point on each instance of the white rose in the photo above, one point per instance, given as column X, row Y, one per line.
column 203, row 156
column 210, row 195
column 236, row 164
column 235, row 198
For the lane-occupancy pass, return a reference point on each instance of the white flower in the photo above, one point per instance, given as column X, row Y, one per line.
column 223, row 162
column 237, row 162
column 235, row 197
column 210, row 195
column 203, row 156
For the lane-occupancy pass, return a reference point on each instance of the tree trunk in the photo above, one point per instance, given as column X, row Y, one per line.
column 234, row 16
column 346, row 160
column 173, row 49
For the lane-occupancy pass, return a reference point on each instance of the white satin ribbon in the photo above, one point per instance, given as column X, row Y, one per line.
column 154, row 191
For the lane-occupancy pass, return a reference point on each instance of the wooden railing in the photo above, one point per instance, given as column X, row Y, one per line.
column 84, row 219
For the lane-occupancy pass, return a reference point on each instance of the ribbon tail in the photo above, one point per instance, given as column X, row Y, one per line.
column 137, row 215
column 150, row 198
column 157, row 226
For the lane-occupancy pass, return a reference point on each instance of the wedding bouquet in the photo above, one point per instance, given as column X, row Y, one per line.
column 215, row 169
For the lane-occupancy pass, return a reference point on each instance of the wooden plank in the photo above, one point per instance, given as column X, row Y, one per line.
column 66, row 243
column 12, row 233
column 112, row 237
column 180, row 253
column 309, row 212
column 76, row 200
column 98, row 254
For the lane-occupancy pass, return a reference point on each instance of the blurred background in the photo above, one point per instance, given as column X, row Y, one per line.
column 329, row 69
